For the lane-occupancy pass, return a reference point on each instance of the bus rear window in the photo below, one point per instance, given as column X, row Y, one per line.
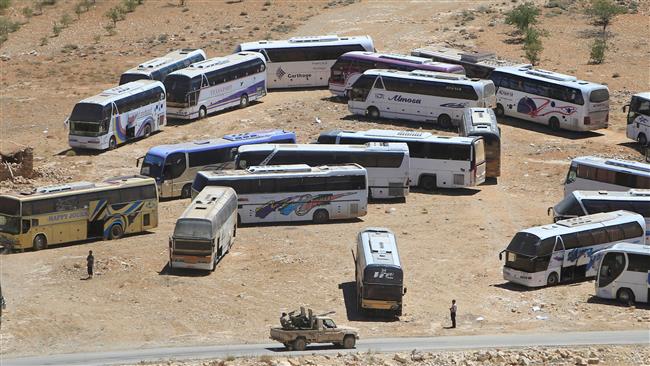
column 599, row 96
column 9, row 206
column 127, row 78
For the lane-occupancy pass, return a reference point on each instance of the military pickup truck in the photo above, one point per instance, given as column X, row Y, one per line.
column 305, row 329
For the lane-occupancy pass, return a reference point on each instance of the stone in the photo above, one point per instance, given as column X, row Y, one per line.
column 593, row 361
column 400, row 359
column 580, row 361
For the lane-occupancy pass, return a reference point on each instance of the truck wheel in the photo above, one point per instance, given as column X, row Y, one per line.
column 288, row 346
column 299, row 344
column 349, row 341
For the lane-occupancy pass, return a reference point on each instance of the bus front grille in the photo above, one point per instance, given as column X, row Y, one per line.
column 459, row 179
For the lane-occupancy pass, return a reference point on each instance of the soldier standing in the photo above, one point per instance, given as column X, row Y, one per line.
column 452, row 311
column 90, row 261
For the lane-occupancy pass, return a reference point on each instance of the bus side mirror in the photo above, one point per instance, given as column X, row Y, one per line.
column 500, row 255
column 625, row 107
column 405, row 290
column 233, row 153
column 137, row 161
column 170, row 241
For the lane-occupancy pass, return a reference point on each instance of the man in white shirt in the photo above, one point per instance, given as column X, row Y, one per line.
column 452, row 311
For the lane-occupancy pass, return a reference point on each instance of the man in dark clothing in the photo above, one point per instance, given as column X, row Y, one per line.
column 452, row 311
column 90, row 260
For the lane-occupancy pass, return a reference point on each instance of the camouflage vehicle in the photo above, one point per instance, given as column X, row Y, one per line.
column 300, row 330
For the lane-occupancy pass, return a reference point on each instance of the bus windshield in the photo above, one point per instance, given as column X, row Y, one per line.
column 87, row 112
column 177, row 87
column 568, row 207
column 152, row 166
column 89, row 119
column 525, row 244
column 193, row 229
column 127, row 78
column 9, row 224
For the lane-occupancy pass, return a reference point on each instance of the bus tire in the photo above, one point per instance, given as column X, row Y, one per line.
column 243, row 101
column 321, row 216
column 428, row 182
column 112, row 143
column 40, row 242
column 552, row 279
column 147, row 130
column 444, row 121
column 186, row 192
column 202, row 112
column 116, row 232
column 499, row 111
column 299, row 344
column 349, row 341
column 625, row 297
column 642, row 139
column 372, row 112
column 554, row 124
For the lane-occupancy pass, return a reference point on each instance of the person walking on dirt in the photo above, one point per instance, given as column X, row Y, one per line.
column 90, row 261
column 452, row 313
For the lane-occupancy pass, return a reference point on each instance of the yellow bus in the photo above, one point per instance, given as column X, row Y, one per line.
column 78, row 211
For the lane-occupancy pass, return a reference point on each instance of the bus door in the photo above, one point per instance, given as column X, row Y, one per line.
column 175, row 165
column 558, row 258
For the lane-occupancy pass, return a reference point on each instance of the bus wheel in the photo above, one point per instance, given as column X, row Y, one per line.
column 642, row 139
column 243, row 101
column 349, row 341
column 444, row 121
column 147, row 130
column 202, row 112
column 40, row 242
column 372, row 112
column 116, row 232
column 112, row 143
column 428, row 183
column 186, row 192
column 321, row 216
column 552, row 279
column 554, row 124
column 625, row 297
column 499, row 111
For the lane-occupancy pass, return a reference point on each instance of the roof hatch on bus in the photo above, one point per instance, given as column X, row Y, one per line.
column 65, row 187
column 589, row 219
column 280, row 168
column 209, row 63
column 549, row 75
column 328, row 38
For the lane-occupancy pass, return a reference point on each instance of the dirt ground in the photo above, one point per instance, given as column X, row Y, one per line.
column 449, row 241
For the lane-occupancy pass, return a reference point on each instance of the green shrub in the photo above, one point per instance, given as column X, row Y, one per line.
column 56, row 29
column 523, row 16
column 115, row 14
column 533, row 45
column 598, row 48
column 66, row 20
column 129, row 6
column 27, row 12
column 44, row 41
column 602, row 12
column 110, row 28
column 7, row 26
column 4, row 4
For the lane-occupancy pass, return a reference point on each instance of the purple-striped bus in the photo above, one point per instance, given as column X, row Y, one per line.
column 351, row 65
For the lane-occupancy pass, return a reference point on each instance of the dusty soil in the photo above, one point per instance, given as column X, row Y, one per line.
column 449, row 241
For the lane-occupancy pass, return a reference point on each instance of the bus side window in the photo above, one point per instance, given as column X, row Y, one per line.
column 26, row 226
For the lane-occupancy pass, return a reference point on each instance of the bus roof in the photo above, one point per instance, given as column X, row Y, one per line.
column 550, row 76
column 109, row 95
column 379, row 247
column 308, row 41
column 632, row 194
column 230, row 140
column 480, row 121
column 644, row 95
column 405, row 135
column 473, row 57
column 77, row 187
column 288, row 170
column 370, row 146
column 584, row 223
column 629, row 166
column 210, row 200
column 216, row 63
column 147, row 67
column 399, row 59
column 628, row 248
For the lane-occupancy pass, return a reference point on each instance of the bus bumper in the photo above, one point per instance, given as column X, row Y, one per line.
column 524, row 278
column 380, row 304
column 84, row 142
column 191, row 262
column 337, row 89
column 8, row 243
column 180, row 113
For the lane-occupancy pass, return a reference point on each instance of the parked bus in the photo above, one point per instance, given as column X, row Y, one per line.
column 435, row 161
column 638, row 118
column 387, row 163
column 591, row 173
column 482, row 122
column 304, row 61
column 550, row 254
column 116, row 115
column 289, row 193
column 159, row 68
column 476, row 64
column 174, row 166
column 78, row 211
column 347, row 69
column 378, row 272
column 424, row 96
column 205, row 231
column 557, row 100
column 215, row 84
column 624, row 273
column 580, row 203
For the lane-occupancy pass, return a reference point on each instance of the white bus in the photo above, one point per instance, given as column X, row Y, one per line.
column 378, row 272
column 116, row 115
column 159, row 68
column 624, row 273
column 215, row 84
column 205, row 231
column 174, row 166
column 580, row 203
column 591, row 173
column 387, row 163
column 638, row 118
column 435, row 161
column 302, row 62
column 425, row 96
column 482, row 122
column 289, row 193
column 550, row 254
column 546, row 97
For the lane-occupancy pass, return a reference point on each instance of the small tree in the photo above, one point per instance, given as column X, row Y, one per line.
column 597, row 54
column 603, row 12
column 533, row 45
column 4, row 4
column 28, row 12
column 114, row 14
column 523, row 16
column 66, row 20
column 130, row 5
